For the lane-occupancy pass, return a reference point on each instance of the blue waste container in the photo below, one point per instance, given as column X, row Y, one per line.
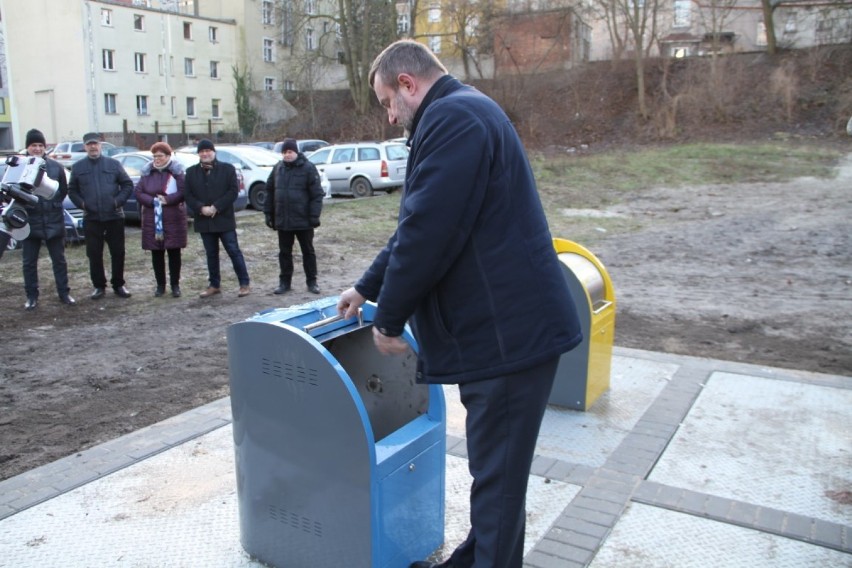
column 340, row 455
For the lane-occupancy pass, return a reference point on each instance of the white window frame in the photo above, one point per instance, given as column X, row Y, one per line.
column 266, row 13
column 403, row 23
column 311, row 7
column 268, row 50
column 269, row 83
column 108, row 59
column 216, row 109
column 173, row 105
column 434, row 12
column 191, row 108
column 187, row 31
column 289, row 85
column 109, row 104
column 214, row 69
column 140, row 62
column 435, row 43
column 213, row 34
column 310, row 44
column 189, row 67
column 142, row 105
column 106, row 17
column 682, row 13
column 141, row 19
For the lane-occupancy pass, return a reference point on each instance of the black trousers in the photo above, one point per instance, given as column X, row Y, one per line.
column 285, row 255
column 56, row 250
column 111, row 233
column 158, row 261
column 504, row 415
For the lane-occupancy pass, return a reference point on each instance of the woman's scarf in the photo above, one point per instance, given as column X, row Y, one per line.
column 158, row 220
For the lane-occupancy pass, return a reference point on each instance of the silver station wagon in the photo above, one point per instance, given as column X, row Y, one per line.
column 360, row 168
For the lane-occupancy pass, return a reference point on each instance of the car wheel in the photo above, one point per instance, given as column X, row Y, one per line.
column 257, row 196
column 361, row 187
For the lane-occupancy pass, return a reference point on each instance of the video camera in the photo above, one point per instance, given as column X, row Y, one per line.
column 25, row 180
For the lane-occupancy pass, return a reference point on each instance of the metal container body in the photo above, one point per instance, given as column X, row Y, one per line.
column 339, row 453
column 583, row 374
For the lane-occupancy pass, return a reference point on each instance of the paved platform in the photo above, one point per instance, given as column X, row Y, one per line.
column 684, row 462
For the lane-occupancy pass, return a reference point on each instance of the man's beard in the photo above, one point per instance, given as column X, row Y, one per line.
column 405, row 114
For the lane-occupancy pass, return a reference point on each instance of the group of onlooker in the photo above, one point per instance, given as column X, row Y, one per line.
column 100, row 186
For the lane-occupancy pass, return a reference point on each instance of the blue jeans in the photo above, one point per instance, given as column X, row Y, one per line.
column 232, row 247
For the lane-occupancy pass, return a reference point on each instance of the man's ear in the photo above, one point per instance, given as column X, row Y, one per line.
column 406, row 83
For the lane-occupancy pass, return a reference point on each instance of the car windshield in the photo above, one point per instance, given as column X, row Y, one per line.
column 397, row 152
column 258, row 156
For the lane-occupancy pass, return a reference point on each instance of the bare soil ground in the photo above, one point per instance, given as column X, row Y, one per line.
column 758, row 273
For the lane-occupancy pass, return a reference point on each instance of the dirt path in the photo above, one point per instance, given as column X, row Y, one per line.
column 760, row 273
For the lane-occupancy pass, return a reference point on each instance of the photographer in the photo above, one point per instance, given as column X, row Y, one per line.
column 47, row 224
column 100, row 186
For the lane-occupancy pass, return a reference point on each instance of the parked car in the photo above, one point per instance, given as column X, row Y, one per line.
column 264, row 145
column 305, row 146
column 66, row 153
column 135, row 161
column 359, row 168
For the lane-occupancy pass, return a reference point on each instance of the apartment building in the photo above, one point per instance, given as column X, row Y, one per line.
column 6, row 140
column 112, row 66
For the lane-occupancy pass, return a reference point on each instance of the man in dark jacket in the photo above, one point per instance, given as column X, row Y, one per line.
column 293, row 206
column 100, row 187
column 47, row 224
column 211, row 187
column 472, row 266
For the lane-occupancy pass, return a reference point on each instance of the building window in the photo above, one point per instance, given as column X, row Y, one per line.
column 269, row 83
column 435, row 44
column 310, row 42
column 140, row 62
column 189, row 67
column 161, row 64
column 213, row 34
column 682, row 13
column 435, row 13
column 790, row 25
column 760, row 39
column 187, row 30
column 311, row 7
column 172, row 65
column 2, row 105
column 109, row 59
column 106, row 17
column 190, row 107
column 403, row 24
column 289, row 86
column 214, row 69
column 266, row 13
column 139, row 22
column 142, row 104
column 268, row 47
column 173, row 106
column 109, row 103
column 214, row 108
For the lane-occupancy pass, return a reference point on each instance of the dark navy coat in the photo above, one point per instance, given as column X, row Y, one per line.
column 100, row 188
column 152, row 184
column 219, row 188
column 294, row 195
column 472, row 263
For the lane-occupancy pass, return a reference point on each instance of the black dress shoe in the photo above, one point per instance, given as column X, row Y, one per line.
column 32, row 303
column 282, row 289
column 175, row 291
column 313, row 289
column 121, row 292
column 67, row 300
column 98, row 294
column 158, row 293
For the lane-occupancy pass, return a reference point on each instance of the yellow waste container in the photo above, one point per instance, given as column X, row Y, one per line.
column 583, row 373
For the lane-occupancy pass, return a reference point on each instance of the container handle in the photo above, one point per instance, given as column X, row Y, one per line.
column 329, row 320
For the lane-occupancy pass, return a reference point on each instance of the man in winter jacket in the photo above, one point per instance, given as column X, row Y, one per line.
column 47, row 225
column 100, row 187
column 472, row 267
column 211, row 187
column 293, row 206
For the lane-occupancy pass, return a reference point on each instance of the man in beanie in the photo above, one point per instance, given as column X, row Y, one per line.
column 211, row 187
column 293, row 206
column 47, row 225
column 100, row 187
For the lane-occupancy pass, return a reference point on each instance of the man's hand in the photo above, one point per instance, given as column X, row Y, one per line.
column 389, row 345
column 349, row 302
column 269, row 221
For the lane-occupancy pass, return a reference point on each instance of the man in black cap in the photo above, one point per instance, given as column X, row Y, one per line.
column 211, row 187
column 293, row 206
column 47, row 225
column 100, row 186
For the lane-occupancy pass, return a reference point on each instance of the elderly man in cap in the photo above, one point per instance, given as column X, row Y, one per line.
column 293, row 208
column 100, row 186
column 47, row 225
column 211, row 187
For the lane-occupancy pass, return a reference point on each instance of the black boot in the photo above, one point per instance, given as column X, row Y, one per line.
column 283, row 288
